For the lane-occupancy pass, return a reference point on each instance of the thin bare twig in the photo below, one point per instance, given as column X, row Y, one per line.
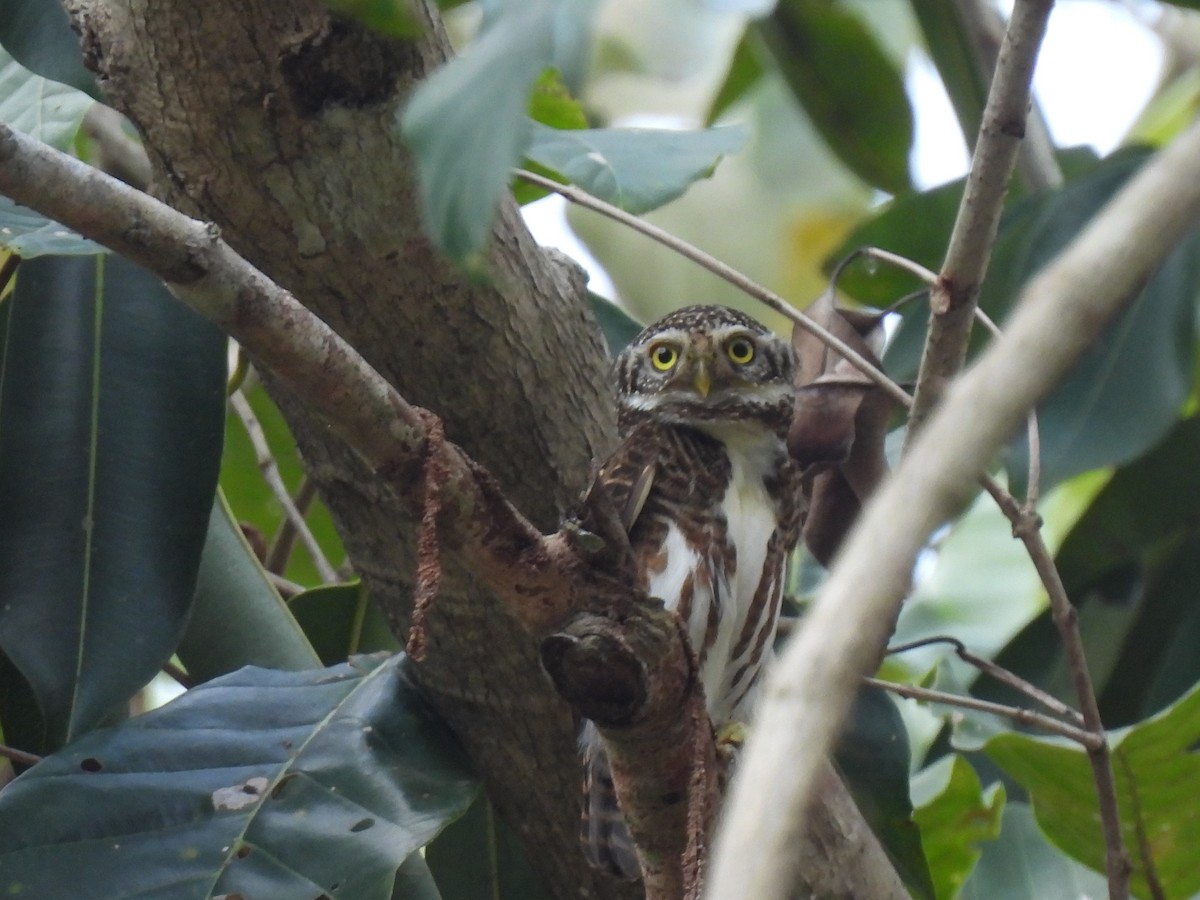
column 1016, row 713
column 1066, row 619
column 954, row 295
column 1001, row 674
column 287, row 588
column 284, row 542
column 270, row 472
column 20, row 757
column 747, row 285
column 177, row 674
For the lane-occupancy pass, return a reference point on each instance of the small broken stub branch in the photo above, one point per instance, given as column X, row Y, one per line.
column 629, row 669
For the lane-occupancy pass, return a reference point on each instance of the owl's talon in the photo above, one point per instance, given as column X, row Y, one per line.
column 731, row 735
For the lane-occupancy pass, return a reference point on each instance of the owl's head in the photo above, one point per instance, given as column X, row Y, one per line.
column 706, row 366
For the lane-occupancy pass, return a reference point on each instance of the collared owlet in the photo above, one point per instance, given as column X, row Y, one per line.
column 713, row 508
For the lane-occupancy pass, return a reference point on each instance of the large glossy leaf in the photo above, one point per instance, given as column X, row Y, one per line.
column 37, row 106
column 467, row 124
column 957, row 817
column 949, row 46
column 847, row 84
column 340, row 620
column 480, row 855
column 618, row 326
column 110, row 438
column 1021, row 864
column 1127, row 392
column 38, row 34
column 263, row 783
column 50, row 112
column 1156, row 767
column 31, row 234
column 414, row 881
column 1145, row 504
column 637, row 169
column 238, row 618
column 873, row 757
column 745, row 70
column 1129, row 565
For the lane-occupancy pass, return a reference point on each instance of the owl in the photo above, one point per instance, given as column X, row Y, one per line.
column 712, row 505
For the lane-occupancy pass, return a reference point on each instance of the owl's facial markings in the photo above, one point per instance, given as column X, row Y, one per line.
column 708, row 364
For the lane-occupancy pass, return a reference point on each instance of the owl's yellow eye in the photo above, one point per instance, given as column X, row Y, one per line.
column 740, row 350
column 663, row 357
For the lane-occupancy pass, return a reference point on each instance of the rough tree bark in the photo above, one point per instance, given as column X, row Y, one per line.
column 276, row 122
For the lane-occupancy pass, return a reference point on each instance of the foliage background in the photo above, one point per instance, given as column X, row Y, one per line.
column 998, row 813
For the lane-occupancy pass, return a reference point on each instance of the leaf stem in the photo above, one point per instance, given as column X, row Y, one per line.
column 270, row 473
column 1016, row 713
column 1001, row 674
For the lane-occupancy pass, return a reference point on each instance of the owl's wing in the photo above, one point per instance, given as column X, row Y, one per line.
column 627, row 477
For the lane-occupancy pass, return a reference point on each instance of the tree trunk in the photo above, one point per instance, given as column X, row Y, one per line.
column 277, row 121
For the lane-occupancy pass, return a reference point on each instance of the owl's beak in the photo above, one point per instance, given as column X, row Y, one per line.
column 701, row 379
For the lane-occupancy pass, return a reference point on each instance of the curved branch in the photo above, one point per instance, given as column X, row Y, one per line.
column 807, row 694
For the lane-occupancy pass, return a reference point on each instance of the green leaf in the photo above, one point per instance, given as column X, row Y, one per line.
column 39, row 107
column 238, row 618
column 1155, row 765
column 31, row 234
column 637, row 169
column 956, row 816
column 949, row 47
column 848, row 86
column 1021, row 864
column 1146, row 503
column 38, row 33
column 414, row 881
column 1127, row 392
column 618, row 326
column 744, row 72
column 467, row 125
column 915, row 226
column 341, row 620
column 392, row 18
column 479, row 855
column 110, row 439
column 873, row 756
column 550, row 104
column 52, row 113
column 272, row 784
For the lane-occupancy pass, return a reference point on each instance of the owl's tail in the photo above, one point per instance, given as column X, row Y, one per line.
column 605, row 837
